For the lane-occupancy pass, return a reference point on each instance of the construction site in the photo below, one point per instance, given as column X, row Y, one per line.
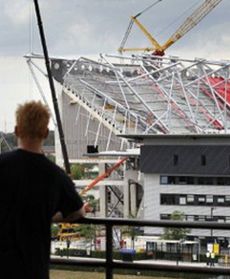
column 110, row 104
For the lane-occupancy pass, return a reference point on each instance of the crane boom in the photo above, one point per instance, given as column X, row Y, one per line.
column 192, row 21
column 206, row 7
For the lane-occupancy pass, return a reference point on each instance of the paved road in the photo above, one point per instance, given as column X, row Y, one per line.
column 151, row 261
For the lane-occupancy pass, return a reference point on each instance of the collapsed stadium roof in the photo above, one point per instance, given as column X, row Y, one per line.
column 150, row 95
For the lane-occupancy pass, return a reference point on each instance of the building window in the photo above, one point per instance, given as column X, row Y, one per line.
column 182, row 200
column 190, row 218
column 190, row 199
column 201, row 180
column 182, row 180
column 209, row 199
column 227, row 200
column 194, row 180
column 227, row 181
column 220, row 199
column 190, row 180
column 203, row 160
column 201, row 199
column 196, row 218
column 223, row 180
column 221, row 219
column 165, row 216
column 167, row 199
column 164, row 180
column 201, row 218
column 175, row 160
column 171, row 180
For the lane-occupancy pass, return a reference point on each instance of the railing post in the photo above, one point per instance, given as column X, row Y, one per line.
column 109, row 251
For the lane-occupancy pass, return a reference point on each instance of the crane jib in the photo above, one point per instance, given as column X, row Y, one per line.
column 205, row 8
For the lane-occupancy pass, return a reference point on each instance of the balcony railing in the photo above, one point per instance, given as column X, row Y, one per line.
column 109, row 264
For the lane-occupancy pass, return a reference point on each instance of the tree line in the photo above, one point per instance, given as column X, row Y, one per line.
column 8, row 141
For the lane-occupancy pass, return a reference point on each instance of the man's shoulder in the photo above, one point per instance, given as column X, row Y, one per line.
column 8, row 155
column 55, row 168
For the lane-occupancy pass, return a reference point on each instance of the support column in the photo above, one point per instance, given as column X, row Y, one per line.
column 126, row 198
column 130, row 206
column 103, row 196
column 133, row 199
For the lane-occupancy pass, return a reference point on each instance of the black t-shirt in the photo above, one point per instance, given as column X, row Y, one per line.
column 32, row 190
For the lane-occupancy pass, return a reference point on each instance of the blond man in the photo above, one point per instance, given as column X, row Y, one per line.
column 33, row 191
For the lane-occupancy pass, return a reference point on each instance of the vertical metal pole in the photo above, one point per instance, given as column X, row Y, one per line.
column 52, row 88
column 109, row 252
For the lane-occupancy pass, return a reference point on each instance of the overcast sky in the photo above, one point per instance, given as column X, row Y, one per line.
column 90, row 27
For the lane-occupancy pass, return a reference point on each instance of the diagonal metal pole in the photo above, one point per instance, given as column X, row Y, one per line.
column 52, row 88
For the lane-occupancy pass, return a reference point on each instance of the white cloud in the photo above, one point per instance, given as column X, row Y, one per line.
column 18, row 12
column 80, row 33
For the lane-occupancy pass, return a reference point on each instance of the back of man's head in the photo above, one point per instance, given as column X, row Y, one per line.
column 32, row 119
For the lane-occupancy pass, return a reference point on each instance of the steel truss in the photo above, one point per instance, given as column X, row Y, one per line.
column 147, row 94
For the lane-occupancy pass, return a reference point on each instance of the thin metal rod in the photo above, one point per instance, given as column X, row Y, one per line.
column 52, row 88
column 147, row 8
column 109, row 252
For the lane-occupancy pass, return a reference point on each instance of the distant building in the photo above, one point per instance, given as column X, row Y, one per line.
column 186, row 173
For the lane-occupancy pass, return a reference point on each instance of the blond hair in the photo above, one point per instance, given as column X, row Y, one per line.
column 32, row 119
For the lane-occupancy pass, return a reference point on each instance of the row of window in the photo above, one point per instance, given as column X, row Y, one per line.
column 201, row 218
column 183, row 199
column 193, row 180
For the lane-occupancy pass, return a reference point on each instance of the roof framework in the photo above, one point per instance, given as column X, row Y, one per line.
column 151, row 95
column 148, row 94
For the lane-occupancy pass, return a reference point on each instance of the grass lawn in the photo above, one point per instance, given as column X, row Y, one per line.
column 63, row 274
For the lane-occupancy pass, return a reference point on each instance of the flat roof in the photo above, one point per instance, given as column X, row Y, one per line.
column 113, row 153
column 179, row 139
column 174, row 136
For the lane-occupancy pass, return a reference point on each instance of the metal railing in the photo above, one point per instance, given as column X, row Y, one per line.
column 109, row 264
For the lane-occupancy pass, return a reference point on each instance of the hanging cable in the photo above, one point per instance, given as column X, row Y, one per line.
column 146, row 9
column 31, row 28
column 126, row 36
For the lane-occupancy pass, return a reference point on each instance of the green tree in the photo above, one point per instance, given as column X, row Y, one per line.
column 54, row 230
column 77, row 171
column 88, row 231
column 176, row 233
